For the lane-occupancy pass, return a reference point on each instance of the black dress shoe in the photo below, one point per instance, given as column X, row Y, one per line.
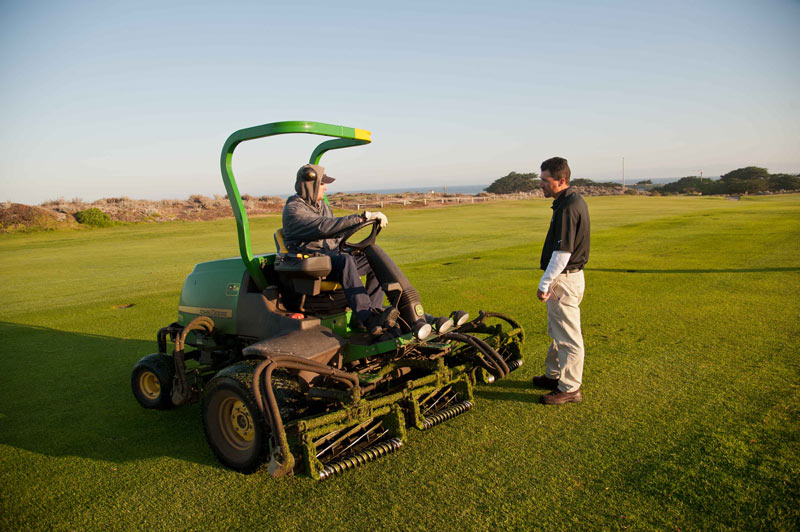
column 557, row 397
column 545, row 383
column 379, row 322
column 389, row 317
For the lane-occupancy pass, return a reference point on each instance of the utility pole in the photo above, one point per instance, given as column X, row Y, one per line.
column 623, row 173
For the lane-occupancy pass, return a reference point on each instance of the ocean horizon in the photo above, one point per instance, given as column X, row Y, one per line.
column 466, row 189
column 450, row 189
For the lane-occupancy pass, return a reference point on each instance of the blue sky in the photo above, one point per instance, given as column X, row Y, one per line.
column 135, row 99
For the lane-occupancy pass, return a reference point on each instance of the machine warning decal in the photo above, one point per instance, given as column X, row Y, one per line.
column 210, row 312
column 232, row 289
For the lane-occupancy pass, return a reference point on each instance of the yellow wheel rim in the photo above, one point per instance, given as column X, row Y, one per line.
column 149, row 385
column 236, row 424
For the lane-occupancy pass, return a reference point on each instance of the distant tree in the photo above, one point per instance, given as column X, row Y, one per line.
column 746, row 180
column 645, row 182
column 691, row 185
column 747, row 174
column 513, row 183
column 783, row 182
column 583, row 182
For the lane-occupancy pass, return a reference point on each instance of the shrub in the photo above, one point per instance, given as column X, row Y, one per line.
column 15, row 217
column 53, row 202
column 513, row 183
column 199, row 198
column 93, row 217
column 583, row 182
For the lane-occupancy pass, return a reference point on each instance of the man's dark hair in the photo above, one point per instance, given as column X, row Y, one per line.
column 558, row 168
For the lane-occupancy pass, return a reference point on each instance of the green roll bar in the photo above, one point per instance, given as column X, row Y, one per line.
column 345, row 137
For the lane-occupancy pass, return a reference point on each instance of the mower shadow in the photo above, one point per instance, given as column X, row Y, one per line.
column 504, row 390
column 68, row 394
column 718, row 270
column 689, row 271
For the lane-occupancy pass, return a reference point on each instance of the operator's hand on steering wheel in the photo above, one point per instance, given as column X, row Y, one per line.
column 384, row 221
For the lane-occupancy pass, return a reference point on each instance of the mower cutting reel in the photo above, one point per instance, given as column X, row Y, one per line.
column 284, row 382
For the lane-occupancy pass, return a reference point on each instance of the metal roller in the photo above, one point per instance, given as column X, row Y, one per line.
column 447, row 413
column 514, row 364
column 360, row 458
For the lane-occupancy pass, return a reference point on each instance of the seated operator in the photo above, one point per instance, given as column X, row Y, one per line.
column 309, row 227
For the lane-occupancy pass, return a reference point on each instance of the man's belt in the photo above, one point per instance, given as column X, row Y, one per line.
column 573, row 270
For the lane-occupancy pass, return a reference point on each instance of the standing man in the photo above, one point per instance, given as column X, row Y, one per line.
column 565, row 252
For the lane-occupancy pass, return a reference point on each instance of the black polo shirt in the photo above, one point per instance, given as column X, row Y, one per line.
column 569, row 230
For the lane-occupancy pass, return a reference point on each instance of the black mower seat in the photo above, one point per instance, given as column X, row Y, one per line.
column 314, row 266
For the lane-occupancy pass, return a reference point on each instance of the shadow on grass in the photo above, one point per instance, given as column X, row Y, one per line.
column 719, row 270
column 717, row 472
column 68, row 394
column 506, row 390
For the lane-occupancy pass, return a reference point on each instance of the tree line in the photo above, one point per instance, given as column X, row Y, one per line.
column 514, row 183
column 749, row 180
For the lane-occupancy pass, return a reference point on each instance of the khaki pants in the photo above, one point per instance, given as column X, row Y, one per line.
column 565, row 356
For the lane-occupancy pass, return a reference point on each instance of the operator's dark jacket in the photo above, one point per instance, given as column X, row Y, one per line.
column 309, row 226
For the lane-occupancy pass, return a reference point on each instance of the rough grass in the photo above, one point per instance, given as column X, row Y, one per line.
column 690, row 419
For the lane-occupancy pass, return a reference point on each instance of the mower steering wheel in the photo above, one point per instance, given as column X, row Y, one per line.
column 346, row 247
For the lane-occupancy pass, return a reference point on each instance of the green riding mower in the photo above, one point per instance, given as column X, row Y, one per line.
column 265, row 343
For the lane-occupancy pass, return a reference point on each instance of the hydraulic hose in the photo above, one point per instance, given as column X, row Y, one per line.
column 489, row 350
column 181, row 392
column 500, row 367
column 262, row 376
column 387, row 272
column 483, row 315
column 474, row 324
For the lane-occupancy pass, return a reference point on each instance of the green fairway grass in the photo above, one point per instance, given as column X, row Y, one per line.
column 690, row 419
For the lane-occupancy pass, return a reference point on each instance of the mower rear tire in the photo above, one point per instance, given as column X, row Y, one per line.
column 235, row 429
column 151, row 381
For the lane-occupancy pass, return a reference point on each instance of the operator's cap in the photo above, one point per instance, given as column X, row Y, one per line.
column 309, row 172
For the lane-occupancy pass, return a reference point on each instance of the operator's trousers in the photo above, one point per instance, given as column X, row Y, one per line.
column 347, row 270
column 564, row 359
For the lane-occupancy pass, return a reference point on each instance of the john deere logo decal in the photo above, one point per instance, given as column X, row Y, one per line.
column 205, row 311
column 418, row 310
column 232, row 289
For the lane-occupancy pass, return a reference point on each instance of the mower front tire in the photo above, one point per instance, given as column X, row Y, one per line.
column 151, row 381
column 235, row 429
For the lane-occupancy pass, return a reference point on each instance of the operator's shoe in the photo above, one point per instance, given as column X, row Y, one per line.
column 557, row 397
column 390, row 315
column 545, row 383
column 379, row 322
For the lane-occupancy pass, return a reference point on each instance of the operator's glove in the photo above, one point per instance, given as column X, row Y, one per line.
column 377, row 216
